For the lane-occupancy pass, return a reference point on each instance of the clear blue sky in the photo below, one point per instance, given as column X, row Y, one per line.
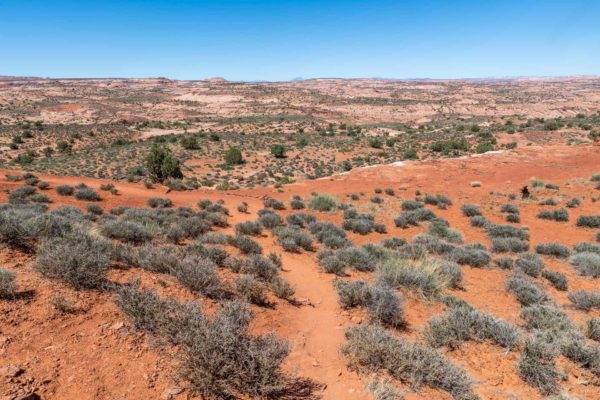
column 281, row 40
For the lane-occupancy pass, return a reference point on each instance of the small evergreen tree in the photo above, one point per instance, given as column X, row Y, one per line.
column 278, row 150
column 233, row 156
column 161, row 164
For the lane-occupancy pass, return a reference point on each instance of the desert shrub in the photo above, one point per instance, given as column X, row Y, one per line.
column 440, row 200
column 94, row 209
column 43, row 185
column 79, row 260
column 592, row 329
column 432, row 244
column 270, row 202
column 219, row 358
column 87, row 194
column 249, row 228
column 8, row 283
column 296, row 203
column 530, row 263
column 441, row 229
column 470, row 210
column 393, row 243
column 126, row 231
column 471, row 255
column 21, row 195
column 246, row 245
column 514, row 218
column 426, row 277
column 293, row 239
column 478, row 221
column 270, row 221
column 243, row 207
column 153, row 258
column 585, row 300
column 322, row 202
column 199, row 274
column 557, row 279
column 389, row 191
column 526, row 291
column 414, row 217
column 361, row 226
column 120, row 210
column 373, row 349
column 251, row 289
column 453, row 272
column 385, row 306
column 377, row 200
column 574, row 202
column 159, row 202
column 536, row 366
column 330, row 263
column 504, row 263
column 505, row 231
column 352, row 293
column 560, row 215
column 261, row 267
column 587, row 264
column 410, row 205
column 588, row 221
column 586, row 248
column 543, row 317
column 357, row 258
column 329, row 234
column 281, row 288
column 65, row 190
column 300, row 219
column 551, row 201
column 553, row 249
column 509, row 244
column 461, row 324
column 509, row 208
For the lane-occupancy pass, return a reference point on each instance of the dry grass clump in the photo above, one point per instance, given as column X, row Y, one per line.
column 8, row 283
column 426, row 276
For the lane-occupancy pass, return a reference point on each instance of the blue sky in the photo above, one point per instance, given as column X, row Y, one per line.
column 281, row 40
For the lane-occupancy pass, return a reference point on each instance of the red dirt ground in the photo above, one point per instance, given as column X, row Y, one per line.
column 95, row 354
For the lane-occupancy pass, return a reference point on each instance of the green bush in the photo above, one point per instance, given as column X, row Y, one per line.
column 233, row 156
column 161, row 164
column 278, row 150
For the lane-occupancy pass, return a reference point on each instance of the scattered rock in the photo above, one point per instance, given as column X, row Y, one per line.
column 30, row 396
column 169, row 393
column 11, row 371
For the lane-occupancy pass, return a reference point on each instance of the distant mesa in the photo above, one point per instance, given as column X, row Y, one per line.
column 216, row 80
